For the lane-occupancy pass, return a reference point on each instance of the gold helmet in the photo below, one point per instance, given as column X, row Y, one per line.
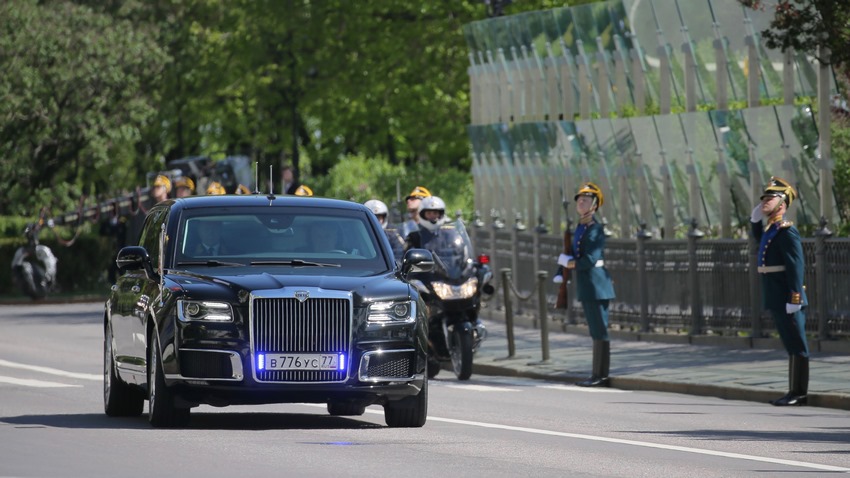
column 303, row 191
column 779, row 187
column 185, row 182
column 162, row 180
column 242, row 189
column 418, row 192
column 215, row 188
column 590, row 189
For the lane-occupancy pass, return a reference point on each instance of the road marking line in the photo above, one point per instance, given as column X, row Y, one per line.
column 479, row 388
column 52, row 371
column 34, row 383
column 575, row 388
column 685, row 449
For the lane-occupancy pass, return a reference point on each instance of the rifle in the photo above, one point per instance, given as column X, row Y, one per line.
column 561, row 302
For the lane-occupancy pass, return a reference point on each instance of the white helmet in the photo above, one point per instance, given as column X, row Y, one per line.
column 380, row 209
column 432, row 203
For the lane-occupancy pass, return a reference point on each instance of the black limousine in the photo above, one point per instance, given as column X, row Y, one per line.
column 258, row 299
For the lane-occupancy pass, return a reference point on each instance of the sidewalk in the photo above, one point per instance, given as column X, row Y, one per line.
column 757, row 375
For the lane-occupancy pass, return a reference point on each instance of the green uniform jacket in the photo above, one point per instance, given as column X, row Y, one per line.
column 780, row 246
column 592, row 282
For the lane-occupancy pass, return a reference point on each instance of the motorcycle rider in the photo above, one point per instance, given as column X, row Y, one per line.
column 432, row 215
column 381, row 211
column 452, row 290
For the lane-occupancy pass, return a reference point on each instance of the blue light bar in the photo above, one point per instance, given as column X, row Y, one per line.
column 261, row 361
column 342, row 361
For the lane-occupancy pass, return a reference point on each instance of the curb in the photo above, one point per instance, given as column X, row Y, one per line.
column 747, row 394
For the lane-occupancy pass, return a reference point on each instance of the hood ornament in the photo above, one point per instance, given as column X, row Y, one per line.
column 302, row 295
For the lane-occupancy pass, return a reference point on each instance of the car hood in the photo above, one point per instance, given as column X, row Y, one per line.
column 229, row 285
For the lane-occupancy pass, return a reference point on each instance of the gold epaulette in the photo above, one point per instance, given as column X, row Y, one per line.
column 785, row 224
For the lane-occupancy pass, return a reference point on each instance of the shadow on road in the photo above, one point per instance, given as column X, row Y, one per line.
column 199, row 421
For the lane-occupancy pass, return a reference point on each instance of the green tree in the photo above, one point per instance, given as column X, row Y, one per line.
column 808, row 26
column 77, row 94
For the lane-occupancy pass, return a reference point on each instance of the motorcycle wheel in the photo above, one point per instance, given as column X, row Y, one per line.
column 433, row 367
column 461, row 352
column 29, row 279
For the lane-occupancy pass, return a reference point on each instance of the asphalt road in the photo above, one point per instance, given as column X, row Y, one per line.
column 52, row 424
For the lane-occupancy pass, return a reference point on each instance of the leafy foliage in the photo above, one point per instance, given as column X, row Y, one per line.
column 76, row 96
column 99, row 93
column 808, row 25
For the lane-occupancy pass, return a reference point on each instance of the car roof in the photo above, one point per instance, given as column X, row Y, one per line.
column 237, row 200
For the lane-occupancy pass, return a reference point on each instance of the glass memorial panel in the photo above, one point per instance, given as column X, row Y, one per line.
column 797, row 124
column 771, row 60
column 733, row 138
column 701, row 35
column 675, row 147
column 763, row 129
column 729, row 15
column 702, row 141
column 652, row 165
column 627, row 150
column 614, row 165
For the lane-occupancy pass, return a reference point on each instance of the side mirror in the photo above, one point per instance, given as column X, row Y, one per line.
column 133, row 258
column 417, row 260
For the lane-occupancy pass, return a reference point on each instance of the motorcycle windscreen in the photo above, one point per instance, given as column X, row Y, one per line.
column 452, row 250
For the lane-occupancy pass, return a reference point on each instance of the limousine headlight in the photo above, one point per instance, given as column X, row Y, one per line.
column 194, row 310
column 392, row 312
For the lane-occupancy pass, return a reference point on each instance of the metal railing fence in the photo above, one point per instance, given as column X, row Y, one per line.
column 725, row 302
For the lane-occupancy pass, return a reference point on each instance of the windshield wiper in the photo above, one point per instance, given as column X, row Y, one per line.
column 210, row 263
column 293, row 263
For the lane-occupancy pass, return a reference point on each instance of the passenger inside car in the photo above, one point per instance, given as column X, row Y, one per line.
column 209, row 240
column 325, row 236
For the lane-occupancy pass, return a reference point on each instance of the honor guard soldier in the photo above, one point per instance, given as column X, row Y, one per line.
column 413, row 201
column 781, row 265
column 160, row 189
column 215, row 188
column 594, row 286
column 184, row 187
column 303, row 190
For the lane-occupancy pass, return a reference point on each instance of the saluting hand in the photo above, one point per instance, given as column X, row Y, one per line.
column 757, row 215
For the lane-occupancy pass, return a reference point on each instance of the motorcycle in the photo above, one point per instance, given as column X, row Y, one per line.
column 452, row 292
column 34, row 265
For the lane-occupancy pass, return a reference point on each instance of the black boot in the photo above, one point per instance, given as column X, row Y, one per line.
column 601, row 364
column 798, row 380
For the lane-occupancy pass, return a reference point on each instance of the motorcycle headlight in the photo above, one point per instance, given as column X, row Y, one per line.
column 192, row 310
column 464, row 291
column 392, row 312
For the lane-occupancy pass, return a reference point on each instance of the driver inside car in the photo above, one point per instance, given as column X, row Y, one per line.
column 209, row 234
column 324, row 237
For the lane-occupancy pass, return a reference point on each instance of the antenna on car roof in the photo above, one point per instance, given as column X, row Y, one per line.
column 256, row 177
column 271, row 184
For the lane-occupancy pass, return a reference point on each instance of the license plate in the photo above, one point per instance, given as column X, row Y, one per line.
column 301, row 362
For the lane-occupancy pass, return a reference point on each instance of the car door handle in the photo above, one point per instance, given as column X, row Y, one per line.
column 135, row 289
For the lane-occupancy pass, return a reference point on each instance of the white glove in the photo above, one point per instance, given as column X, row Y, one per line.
column 791, row 308
column 558, row 279
column 756, row 215
column 563, row 259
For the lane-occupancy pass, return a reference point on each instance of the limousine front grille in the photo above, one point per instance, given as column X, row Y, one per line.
column 291, row 326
